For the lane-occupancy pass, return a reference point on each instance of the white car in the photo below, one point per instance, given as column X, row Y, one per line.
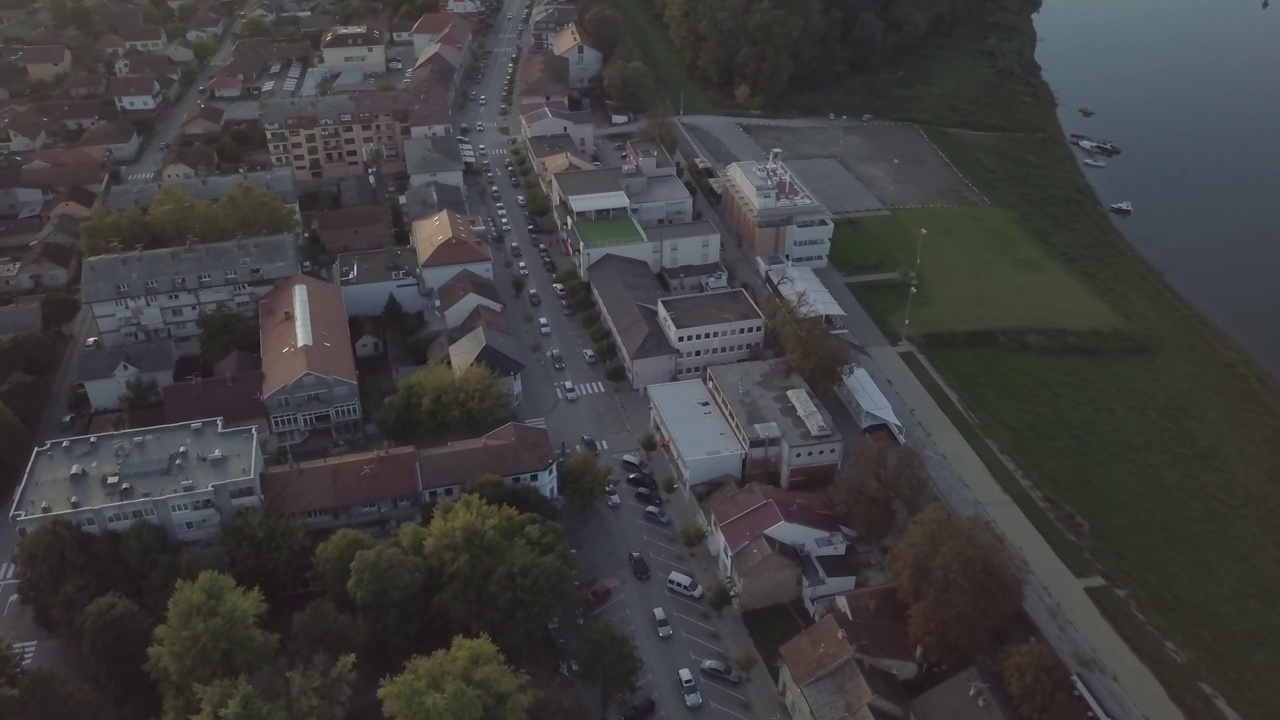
column 522, row 200
column 482, row 150
column 482, row 101
column 479, row 127
column 524, row 270
column 510, row 15
column 611, row 497
column 559, row 288
column 544, row 327
column 589, row 356
column 661, row 623
column 501, row 208
column 689, row 688
column 570, row 392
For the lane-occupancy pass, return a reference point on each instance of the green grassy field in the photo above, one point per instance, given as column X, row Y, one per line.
column 672, row 80
column 978, row 270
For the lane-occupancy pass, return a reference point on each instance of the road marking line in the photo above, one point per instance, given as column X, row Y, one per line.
column 699, row 640
column 695, row 622
column 725, row 689
column 729, row 711
column 681, row 598
column 655, row 542
column 614, row 600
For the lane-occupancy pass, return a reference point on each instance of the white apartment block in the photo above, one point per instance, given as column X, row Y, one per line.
column 711, row 329
column 775, row 214
column 151, row 294
column 188, row 478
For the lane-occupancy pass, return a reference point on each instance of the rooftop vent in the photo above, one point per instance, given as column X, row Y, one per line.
column 216, row 455
column 126, row 488
column 77, row 471
column 75, row 501
column 44, row 507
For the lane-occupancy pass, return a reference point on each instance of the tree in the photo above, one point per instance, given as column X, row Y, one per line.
column 387, row 587
column 140, row 392
column 907, row 478
column 628, row 84
column 58, row 574
column 523, row 498
column 501, row 572
column 660, row 126
column 31, row 352
column 298, row 694
column 13, row 442
column 539, row 206
column 114, row 636
column 58, row 309
column 204, row 48
column 819, row 357
column 958, row 579
column 25, row 395
column 606, row 28
column 863, row 505
column 583, row 479
column 1035, row 679
column 210, row 633
column 392, row 311
column 255, row 211
column 59, row 12
column 438, row 399
column 42, row 694
column 609, row 660
column 321, row 630
column 721, row 597
column 107, row 231
column 268, row 551
column 468, row 681
column 223, row 330
column 517, row 284
column 144, row 565
column 648, row 442
column 333, row 559
column 256, row 27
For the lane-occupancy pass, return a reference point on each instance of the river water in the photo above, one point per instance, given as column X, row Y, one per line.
column 1190, row 91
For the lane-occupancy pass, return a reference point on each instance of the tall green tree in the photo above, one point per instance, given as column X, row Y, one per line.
column 321, row 630
column 609, row 659
column 140, row 392
column 333, row 559
column 819, row 357
column 438, row 399
column 42, row 694
column 268, row 551
column 605, row 27
column 583, row 479
column 387, row 587
column 114, row 636
column 628, row 84
column 501, row 572
column 108, row 231
column 58, row 574
column 469, row 681
column 223, row 330
column 523, row 498
column 58, row 309
column 302, row 693
column 204, row 48
column 32, row 352
column 211, row 632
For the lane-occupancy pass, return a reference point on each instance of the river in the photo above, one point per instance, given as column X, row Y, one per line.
column 1190, row 91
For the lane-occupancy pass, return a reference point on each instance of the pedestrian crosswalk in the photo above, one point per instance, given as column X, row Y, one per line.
column 600, row 445
column 590, row 388
column 497, row 150
column 536, row 422
column 7, row 571
column 141, row 176
column 26, row 652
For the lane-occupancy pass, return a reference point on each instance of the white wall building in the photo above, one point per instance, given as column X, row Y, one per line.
column 691, row 428
column 775, row 213
column 711, row 328
column 187, row 478
column 660, row 246
column 519, row 454
column 369, row 278
column 354, row 47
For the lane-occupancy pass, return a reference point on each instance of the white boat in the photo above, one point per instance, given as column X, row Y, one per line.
column 1089, row 146
column 1121, row 208
column 1094, row 162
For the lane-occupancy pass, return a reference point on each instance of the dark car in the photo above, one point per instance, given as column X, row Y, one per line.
column 548, row 264
column 639, row 480
column 515, row 250
column 515, row 182
column 639, row 709
column 567, row 307
column 639, row 565
column 557, row 360
column 720, row 671
column 649, row 496
column 534, row 297
column 589, row 444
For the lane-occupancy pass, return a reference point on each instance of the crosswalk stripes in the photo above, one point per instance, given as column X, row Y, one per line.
column 590, row 388
column 26, row 651
column 600, row 445
column 141, row 177
column 536, row 422
column 498, row 150
column 7, row 571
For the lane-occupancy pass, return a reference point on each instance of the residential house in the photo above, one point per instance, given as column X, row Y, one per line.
column 85, row 85
column 147, row 38
column 203, row 120
column 470, row 9
column 309, row 370
column 442, row 28
column 116, row 16
column 375, row 490
column 76, row 202
column 73, row 115
column 550, row 120
column 354, row 47
column 971, row 694
column 18, row 318
column 120, row 139
column 775, row 213
column 367, row 336
column 232, row 392
column 433, row 160
column 206, row 24
column 15, row 235
column 368, row 279
column 789, row 436
column 698, row 441
column 47, row 266
column 549, row 19
column 187, row 478
column 874, row 619
column 110, row 46
column 519, row 454
column 61, row 230
column 543, row 78
column 439, row 65
column 279, row 183
column 106, row 372
column 819, row 678
column 158, row 294
column 353, row 229
column 560, row 162
column 335, row 136
column 181, row 51
column 136, row 94
column 585, row 62
column 424, row 200
column 429, row 106
column 21, row 129
column 188, row 162
column 46, row 62
column 402, row 31
column 446, row 245
column 497, row 352
column 463, row 293
column 251, row 64
column 55, row 171
column 483, row 316
column 136, row 63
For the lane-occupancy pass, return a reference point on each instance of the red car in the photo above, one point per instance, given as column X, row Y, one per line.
column 599, row 593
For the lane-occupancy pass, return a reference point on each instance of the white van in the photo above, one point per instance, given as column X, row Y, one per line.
column 683, row 584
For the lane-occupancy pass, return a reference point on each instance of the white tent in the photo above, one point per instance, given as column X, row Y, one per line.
column 868, row 405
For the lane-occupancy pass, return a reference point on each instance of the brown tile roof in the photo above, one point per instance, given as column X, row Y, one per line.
column 142, row 33
column 429, row 104
column 24, row 121
column 237, row 362
column 234, row 397
column 567, row 39
column 77, row 195
column 447, row 239
column 252, row 55
column 200, row 158
column 465, row 283
column 108, row 133
column 877, row 623
column 816, row 651
column 205, row 111
column 486, row 317
column 353, row 218
column 513, row 449
column 132, row 86
column 109, row 41
column 339, row 482
column 65, row 167
column 63, row 110
column 753, row 510
column 287, row 357
column 85, row 81
column 223, row 82
column 544, row 75
column 434, row 23
column 43, row 54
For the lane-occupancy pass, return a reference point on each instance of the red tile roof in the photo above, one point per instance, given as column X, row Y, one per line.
column 352, row 218
column 108, row 133
column 132, row 86
column 877, row 623
column 287, row 357
column 234, row 397
column 753, row 510
column 109, row 42
column 816, row 651
column 484, row 316
column 343, row 481
column 513, row 449
column 446, row 238
column 43, row 54
column 465, row 283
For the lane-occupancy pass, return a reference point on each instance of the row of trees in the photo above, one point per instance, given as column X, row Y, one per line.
column 810, row 349
column 25, row 360
column 175, row 218
column 439, row 400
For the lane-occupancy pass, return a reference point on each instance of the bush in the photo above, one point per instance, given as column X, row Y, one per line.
column 590, row 318
column 648, row 442
column 569, row 276
column 721, row 598
column 599, row 334
column 669, row 485
column 517, row 284
column 746, row 661
column 615, row 373
column 691, row 535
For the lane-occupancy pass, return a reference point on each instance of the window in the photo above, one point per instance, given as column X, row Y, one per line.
column 189, row 525
column 315, row 514
column 123, row 287
column 122, row 303
column 152, row 284
column 204, row 277
column 697, row 353
column 282, row 401
column 86, row 522
column 143, row 513
column 176, row 312
column 255, row 271
column 347, row 411
column 242, row 287
column 174, row 296
column 232, row 274
column 176, row 508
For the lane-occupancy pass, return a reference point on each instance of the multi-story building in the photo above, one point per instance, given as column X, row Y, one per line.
column 775, row 214
column 662, row 247
column 368, row 279
column 446, row 245
column 585, row 62
column 788, row 435
column 711, row 328
column 337, row 135
column 518, row 454
column 308, row 367
column 378, row 489
column 150, row 294
column 354, row 47
column 187, row 478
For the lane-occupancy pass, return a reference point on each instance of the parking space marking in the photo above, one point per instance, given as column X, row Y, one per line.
column 695, row 622
column 656, row 542
column 681, row 598
column 699, row 640
column 729, row 711
column 726, row 690
column 614, row 600
column 677, row 566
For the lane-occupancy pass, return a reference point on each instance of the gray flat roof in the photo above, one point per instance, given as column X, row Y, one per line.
column 545, row 145
column 710, row 308
column 376, row 266
column 589, row 182
column 756, row 392
column 659, row 188
column 835, row 187
column 153, row 462
column 698, row 429
column 648, row 147
column 680, row 230
column 277, row 182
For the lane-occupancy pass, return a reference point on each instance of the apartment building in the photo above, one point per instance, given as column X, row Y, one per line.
column 377, row 490
column 150, row 294
column 711, row 328
column 661, row 247
column 188, row 478
column 516, row 453
column 337, row 136
column 775, row 214
column 354, row 47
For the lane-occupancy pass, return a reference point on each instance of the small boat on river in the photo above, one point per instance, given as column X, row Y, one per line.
column 1121, row 208
column 1087, row 111
column 1095, row 163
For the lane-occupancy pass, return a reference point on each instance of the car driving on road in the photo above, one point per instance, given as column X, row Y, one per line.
column 661, row 623
column 589, row 444
column 557, row 360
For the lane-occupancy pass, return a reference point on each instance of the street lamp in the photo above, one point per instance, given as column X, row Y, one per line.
column 915, row 273
column 893, row 175
column 915, row 286
column 906, row 321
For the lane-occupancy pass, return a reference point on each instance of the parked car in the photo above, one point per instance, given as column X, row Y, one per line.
column 658, row 515
column 479, row 126
column 638, row 480
column 589, row 356
column 544, row 327
column 549, row 265
column 523, row 268
column 611, row 497
column 570, row 392
column 521, row 201
column 649, row 495
column 599, row 593
column 639, row 566
column 720, row 671
column 567, row 308
column 534, row 298
column 560, row 289
column 557, row 360
column 689, row 688
column 516, row 251
column 661, row 623
column 635, row 462
column 589, row 444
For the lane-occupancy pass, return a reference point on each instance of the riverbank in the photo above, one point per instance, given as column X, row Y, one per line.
column 1164, row 456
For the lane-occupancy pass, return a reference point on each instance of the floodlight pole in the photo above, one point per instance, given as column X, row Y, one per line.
column 915, row 286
